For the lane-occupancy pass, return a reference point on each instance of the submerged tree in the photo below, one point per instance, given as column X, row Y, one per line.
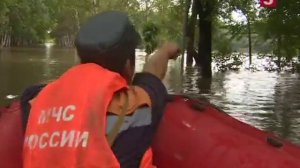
column 247, row 9
column 281, row 26
column 23, row 23
column 190, row 33
column 150, row 33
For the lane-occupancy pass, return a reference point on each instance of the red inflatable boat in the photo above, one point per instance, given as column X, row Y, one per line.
column 192, row 134
column 11, row 136
column 195, row 134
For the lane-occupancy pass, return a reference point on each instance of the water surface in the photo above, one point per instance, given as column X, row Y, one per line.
column 269, row 101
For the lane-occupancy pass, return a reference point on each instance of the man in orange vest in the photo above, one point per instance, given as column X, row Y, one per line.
column 95, row 115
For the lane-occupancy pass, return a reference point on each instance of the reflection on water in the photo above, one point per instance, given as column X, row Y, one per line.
column 20, row 68
column 269, row 101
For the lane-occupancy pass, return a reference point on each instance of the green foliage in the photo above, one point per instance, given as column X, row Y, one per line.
column 24, row 21
column 27, row 22
column 168, row 16
column 281, row 26
column 222, row 47
column 223, row 54
column 150, row 32
column 274, row 31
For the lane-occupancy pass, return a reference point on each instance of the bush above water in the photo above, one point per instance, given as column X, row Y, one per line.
column 237, row 61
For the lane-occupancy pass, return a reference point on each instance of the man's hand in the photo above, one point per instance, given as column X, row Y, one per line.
column 158, row 62
column 171, row 49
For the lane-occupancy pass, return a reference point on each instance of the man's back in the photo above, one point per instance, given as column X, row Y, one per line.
column 139, row 125
column 66, row 127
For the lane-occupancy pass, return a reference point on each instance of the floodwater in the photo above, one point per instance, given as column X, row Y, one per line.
column 266, row 100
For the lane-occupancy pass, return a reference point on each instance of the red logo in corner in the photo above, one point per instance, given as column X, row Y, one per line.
column 268, row 3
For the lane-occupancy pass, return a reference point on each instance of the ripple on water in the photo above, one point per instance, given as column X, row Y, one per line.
column 268, row 101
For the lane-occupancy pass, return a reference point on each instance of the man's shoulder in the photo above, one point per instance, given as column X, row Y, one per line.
column 136, row 96
column 31, row 92
column 154, row 87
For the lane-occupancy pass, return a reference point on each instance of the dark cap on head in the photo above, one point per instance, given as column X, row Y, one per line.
column 108, row 34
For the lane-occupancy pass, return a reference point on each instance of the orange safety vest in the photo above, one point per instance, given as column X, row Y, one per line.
column 67, row 122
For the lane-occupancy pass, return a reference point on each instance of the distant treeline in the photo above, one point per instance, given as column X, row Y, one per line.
column 207, row 25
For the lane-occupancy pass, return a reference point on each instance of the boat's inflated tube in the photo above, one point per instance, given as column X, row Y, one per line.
column 195, row 134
